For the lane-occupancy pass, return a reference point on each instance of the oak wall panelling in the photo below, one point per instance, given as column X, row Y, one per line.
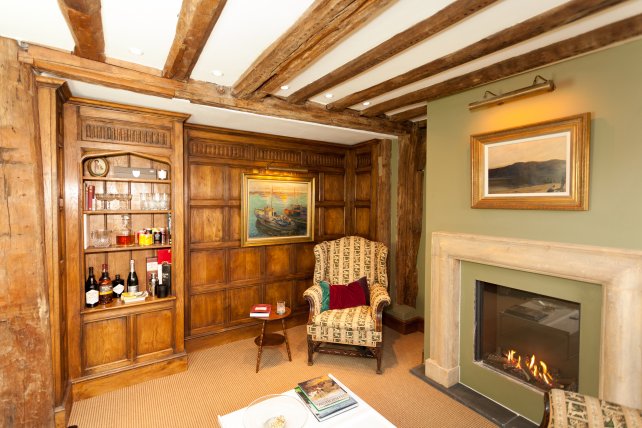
column 223, row 280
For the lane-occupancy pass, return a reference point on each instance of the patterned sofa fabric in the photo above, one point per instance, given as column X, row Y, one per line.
column 573, row 410
column 352, row 326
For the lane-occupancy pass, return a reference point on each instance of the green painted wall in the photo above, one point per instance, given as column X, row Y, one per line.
column 608, row 85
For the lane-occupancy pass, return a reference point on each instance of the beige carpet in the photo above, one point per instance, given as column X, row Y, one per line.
column 223, row 379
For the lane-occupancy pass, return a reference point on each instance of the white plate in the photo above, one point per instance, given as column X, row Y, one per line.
column 264, row 409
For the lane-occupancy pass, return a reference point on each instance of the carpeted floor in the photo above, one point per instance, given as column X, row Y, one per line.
column 222, row 379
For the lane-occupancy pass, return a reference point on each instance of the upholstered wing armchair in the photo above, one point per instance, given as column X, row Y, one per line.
column 341, row 262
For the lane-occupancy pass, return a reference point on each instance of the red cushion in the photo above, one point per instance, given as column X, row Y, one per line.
column 346, row 296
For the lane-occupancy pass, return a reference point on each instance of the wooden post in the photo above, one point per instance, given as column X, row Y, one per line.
column 26, row 389
column 412, row 159
column 382, row 168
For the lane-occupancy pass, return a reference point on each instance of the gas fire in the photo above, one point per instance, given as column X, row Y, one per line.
column 532, row 367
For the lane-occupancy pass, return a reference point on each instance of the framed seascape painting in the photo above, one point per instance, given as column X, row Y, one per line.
column 544, row 166
column 276, row 210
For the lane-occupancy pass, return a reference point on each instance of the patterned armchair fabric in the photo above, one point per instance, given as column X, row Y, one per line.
column 341, row 262
column 566, row 409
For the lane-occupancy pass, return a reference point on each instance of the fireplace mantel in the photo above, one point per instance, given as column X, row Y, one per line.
column 619, row 272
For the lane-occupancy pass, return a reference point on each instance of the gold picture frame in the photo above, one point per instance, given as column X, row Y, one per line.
column 543, row 166
column 276, row 209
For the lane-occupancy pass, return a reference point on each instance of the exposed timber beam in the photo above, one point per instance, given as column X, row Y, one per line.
column 408, row 114
column 448, row 16
column 322, row 26
column 547, row 21
column 85, row 22
column 195, row 24
column 69, row 66
column 584, row 43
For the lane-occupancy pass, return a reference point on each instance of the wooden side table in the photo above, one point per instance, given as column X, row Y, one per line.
column 272, row 339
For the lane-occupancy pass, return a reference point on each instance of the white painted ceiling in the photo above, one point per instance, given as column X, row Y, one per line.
column 247, row 27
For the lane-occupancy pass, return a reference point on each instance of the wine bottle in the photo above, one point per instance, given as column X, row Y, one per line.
column 119, row 286
column 91, row 289
column 132, row 279
column 105, row 287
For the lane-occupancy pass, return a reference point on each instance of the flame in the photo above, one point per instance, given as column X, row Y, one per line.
column 538, row 369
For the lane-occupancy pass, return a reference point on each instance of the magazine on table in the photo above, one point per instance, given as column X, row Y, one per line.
column 328, row 412
column 323, row 391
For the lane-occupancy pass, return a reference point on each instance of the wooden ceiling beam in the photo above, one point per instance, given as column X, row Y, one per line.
column 584, row 43
column 69, row 66
column 447, row 17
column 85, row 22
column 195, row 24
column 547, row 21
column 409, row 114
column 321, row 27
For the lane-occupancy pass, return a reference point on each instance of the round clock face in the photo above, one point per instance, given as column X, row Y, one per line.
column 98, row 167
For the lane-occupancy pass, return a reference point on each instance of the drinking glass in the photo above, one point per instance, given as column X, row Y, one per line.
column 280, row 307
column 157, row 201
column 164, row 201
column 144, row 202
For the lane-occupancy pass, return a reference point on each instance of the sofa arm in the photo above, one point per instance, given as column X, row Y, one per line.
column 379, row 299
column 313, row 295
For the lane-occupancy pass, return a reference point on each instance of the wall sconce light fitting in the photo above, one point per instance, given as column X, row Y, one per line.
column 269, row 167
column 536, row 88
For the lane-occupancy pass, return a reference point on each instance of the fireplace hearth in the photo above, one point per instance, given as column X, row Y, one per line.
column 531, row 337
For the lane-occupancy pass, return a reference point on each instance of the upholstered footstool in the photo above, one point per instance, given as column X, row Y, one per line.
column 565, row 409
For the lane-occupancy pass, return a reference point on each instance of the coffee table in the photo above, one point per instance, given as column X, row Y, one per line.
column 272, row 339
column 361, row 416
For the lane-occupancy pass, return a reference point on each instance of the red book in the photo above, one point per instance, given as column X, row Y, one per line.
column 260, row 310
column 91, row 189
column 164, row 255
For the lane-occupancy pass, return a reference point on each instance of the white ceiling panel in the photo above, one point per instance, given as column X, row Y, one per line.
column 471, row 30
column 400, row 16
column 147, row 25
column 35, row 21
column 243, row 31
column 230, row 119
column 609, row 16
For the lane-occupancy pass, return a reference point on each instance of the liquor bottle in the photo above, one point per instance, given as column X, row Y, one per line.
column 119, row 286
column 91, row 289
column 105, row 287
column 132, row 279
column 169, row 228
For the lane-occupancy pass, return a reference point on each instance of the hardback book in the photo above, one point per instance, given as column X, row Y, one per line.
column 260, row 310
column 323, row 392
column 138, row 296
column 328, row 412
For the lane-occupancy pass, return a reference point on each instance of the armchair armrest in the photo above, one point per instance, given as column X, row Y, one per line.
column 379, row 299
column 313, row 295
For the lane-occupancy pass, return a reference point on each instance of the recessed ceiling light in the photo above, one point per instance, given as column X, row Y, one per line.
column 366, row 103
column 217, row 73
column 136, row 51
column 285, row 87
column 329, row 95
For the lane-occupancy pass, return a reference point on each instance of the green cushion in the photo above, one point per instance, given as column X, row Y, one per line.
column 325, row 297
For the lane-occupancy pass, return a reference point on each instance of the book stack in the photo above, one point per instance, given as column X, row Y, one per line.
column 260, row 310
column 129, row 297
column 324, row 397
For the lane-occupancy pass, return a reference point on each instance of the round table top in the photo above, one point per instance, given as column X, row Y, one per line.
column 274, row 316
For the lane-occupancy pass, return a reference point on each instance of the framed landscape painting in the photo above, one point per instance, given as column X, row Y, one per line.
column 276, row 210
column 541, row 166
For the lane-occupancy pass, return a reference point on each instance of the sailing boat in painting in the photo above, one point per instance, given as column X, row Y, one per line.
column 272, row 223
column 297, row 212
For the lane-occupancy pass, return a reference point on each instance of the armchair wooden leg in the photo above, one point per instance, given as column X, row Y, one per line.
column 379, row 354
column 310, row 351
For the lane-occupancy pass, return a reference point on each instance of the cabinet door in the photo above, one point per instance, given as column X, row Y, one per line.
column 105, row 344
column 154, row 334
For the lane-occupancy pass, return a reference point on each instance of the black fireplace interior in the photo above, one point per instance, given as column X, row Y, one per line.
column 528, row 336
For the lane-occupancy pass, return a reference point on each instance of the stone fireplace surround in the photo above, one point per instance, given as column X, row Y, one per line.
column 619, row 272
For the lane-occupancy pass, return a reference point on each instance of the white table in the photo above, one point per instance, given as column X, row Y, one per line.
column 361, row 416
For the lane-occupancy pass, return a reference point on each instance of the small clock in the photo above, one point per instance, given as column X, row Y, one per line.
column 98, row 167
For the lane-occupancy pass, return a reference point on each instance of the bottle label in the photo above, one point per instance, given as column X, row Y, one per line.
column 118, row 289
column 91, row 297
